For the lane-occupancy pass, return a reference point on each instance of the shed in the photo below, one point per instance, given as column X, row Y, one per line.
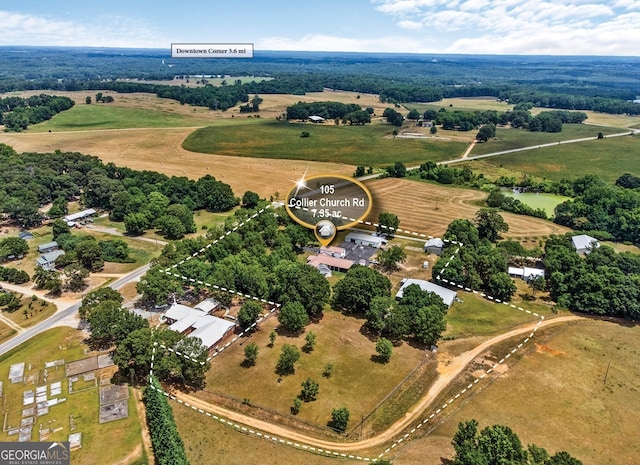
column 434, row 246
column 80, row 215
column 448, row 296
column 525, row 273
column 316, row 119
column 26, row 235
column 48, row 247
column 584, row 244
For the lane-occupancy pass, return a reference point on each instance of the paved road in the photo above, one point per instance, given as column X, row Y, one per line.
column 63, row 313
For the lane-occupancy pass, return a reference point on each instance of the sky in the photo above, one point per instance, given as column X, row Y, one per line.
column 531, row 27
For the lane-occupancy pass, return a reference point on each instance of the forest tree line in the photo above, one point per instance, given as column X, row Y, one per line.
column 17, row 113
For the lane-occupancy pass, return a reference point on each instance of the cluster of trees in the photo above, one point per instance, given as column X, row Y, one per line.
column 519, row 117
column 253, row 106
column 29, row 180
column 258, row 259
column 14, row 275
column 111, row 325
column 17, row 113
column 420, row 315
column 9, row 302
column 603, row 282
column 101, row 98
column 168, row 448
column 601, row 207
column 348, row 113
column 498, row 444
column 444, row 174
column 366, row 292
column 477, row 265
column 12, row 247
column 570, row 102
column 393, row 117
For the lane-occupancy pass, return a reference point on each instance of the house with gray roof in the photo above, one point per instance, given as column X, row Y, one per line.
column 584, row 244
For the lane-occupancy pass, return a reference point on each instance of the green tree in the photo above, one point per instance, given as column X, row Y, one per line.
column 384, row 348
column 288, row 358
column 340, row 419
column 171, row 227
column 490, row 224
column 397, row 170
column 501, row 286
column 295, row 408
column 250, row 354
column 298, row 282
column 310, row 342
column 434, row 129
column 48, row 279
column 59, row 226
column 75, row 276
column 136, row 223
column 272, row 338
column 156, row 206
column 377, row 313
column 486, row 132
column 250, row 199
column 428, row 324
column 388, row 224
column 89, row 255
column 462, row 231
column 87, row 100
column 310, row 390
column 391, row 257
column 358, row 288
column 293, row 317
column 156, row 286
column 413, row 115
column 13, row 247
column 184, row 214
column 98, row 296
column 537, row 283
column 359, row 172
column 109, row 324
column 249, row 313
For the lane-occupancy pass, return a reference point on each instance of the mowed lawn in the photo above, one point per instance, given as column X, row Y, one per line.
column 608, row 158
column 368, row 145
column 556, row 397
column 508, row 138
column 63, row 343
column 357, row 382
column 107, row 116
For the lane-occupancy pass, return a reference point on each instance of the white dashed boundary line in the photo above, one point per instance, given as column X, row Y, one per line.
column 304, row 447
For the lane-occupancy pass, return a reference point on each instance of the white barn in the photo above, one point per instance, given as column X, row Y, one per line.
column 448, row 296
column 584, row 244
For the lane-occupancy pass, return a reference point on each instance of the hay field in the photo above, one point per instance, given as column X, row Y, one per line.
column 556, row 397
column 161, row 150
column 429, row 208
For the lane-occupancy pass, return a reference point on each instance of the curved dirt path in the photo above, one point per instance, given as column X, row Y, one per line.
column 445, row 377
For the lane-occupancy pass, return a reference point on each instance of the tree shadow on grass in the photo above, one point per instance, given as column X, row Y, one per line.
column 377, row 358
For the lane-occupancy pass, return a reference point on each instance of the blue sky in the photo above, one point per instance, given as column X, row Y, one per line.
column 551, row 27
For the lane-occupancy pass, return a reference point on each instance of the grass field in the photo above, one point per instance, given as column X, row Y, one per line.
column 31, row 312
column 507, row 138
column 353, row 145
column 65, row 343
column 608, row 158
column 5, row 332
column 338, row 341
column 95, row 116
column 429, row 208
column 556, row 397
column 548, row 202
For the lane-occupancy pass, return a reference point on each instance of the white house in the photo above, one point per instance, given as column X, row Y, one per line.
column 584, row 244
column 47, row 260
column 525, row 273
column 448, row 296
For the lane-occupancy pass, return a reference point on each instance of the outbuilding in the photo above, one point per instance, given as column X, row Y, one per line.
column 584, row 244
column 367, row 240
column 448, row 296
column 434, row 246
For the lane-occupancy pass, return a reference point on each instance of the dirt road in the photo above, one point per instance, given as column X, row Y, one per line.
column 445, row 377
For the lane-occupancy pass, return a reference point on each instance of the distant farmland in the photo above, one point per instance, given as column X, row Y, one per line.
column 352, row 145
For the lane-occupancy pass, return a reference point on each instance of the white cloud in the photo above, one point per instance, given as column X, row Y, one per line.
column 24, row 29
column 610, row 27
